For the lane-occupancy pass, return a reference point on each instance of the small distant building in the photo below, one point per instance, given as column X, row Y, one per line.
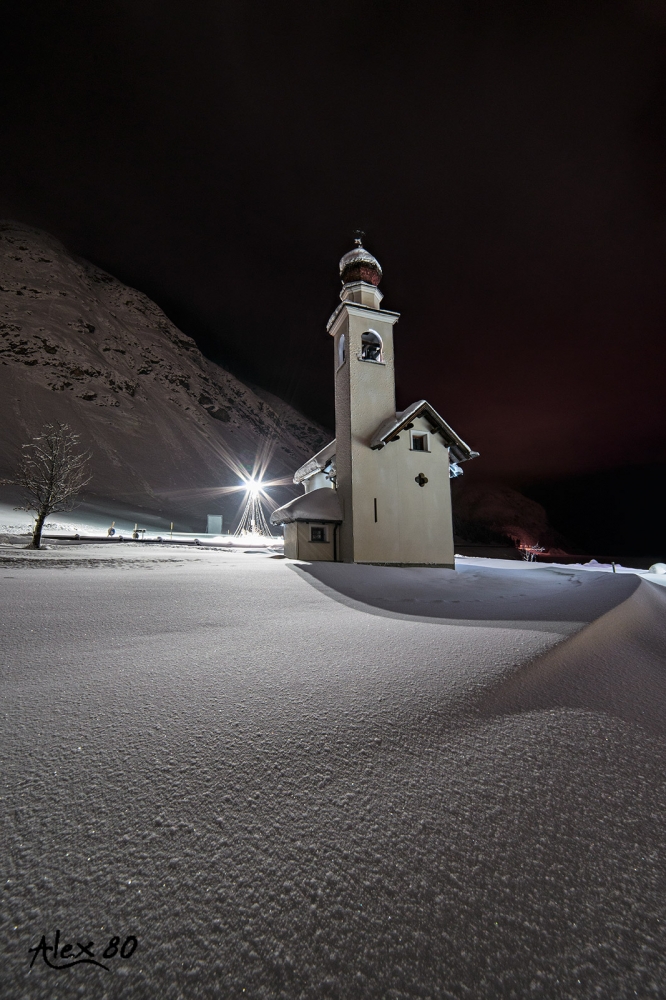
column 380, row 492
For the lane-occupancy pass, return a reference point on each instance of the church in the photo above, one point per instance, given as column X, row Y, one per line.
column 380, row 492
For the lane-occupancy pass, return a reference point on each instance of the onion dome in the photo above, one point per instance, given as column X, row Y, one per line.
column 360, row 265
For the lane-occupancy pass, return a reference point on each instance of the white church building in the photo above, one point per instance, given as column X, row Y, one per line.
column 380, row 492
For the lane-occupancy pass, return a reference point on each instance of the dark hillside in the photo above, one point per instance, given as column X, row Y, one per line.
column 77, row 345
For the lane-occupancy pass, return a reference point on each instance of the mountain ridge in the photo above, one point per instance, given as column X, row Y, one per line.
column 167, row 426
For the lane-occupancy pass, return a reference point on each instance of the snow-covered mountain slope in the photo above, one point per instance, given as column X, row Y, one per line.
column 77, row 345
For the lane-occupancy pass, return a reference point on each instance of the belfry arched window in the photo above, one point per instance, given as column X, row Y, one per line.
column 341, row 350
column 371, row 346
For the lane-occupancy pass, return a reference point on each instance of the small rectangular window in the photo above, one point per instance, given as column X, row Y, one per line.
column 419, row 442
column 317, row 534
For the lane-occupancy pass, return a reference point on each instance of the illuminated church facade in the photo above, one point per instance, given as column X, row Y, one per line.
column 380, row 492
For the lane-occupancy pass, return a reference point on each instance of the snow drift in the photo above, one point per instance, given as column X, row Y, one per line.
column 615, row 666
column 552, row 595
column 286, row 797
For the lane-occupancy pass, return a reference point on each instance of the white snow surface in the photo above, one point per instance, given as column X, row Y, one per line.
column 303, row 781
column 22, row 522
column 16, row 527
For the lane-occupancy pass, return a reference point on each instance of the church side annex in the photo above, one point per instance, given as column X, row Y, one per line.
column 380, row 492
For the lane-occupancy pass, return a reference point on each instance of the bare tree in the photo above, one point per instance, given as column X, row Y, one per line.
column 52, row 472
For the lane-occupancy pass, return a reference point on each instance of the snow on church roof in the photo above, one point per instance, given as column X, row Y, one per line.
column 318, row 505
column 460, row 452
column 315, row 464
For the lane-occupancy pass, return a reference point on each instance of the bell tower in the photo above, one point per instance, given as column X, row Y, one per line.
column 364, row 387
column 380, row 493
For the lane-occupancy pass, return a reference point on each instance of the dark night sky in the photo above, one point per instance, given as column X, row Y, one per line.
column 507, row 161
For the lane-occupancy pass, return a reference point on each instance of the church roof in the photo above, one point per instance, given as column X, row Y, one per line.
column 460, row 452
column 318, row 505
column 390, row 429
column 316, row 464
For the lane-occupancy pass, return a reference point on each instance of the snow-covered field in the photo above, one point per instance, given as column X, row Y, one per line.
column 20, row 522
column 16, row 527
column 330, row 781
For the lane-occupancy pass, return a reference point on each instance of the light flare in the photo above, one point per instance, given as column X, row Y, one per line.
column 252, row 485
column 253, row 520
